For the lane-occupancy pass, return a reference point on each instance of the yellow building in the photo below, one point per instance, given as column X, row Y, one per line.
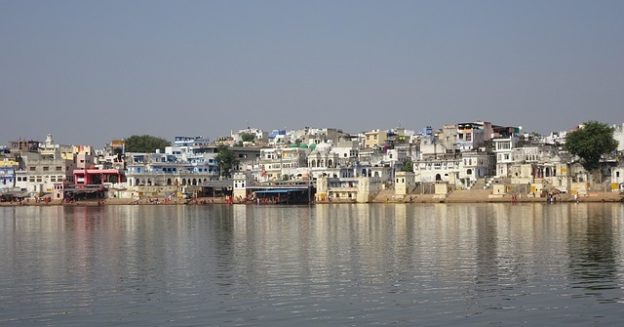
column 375, row 138
column 6, row 162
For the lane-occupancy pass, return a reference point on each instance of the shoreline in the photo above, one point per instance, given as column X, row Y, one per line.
column 596, row 197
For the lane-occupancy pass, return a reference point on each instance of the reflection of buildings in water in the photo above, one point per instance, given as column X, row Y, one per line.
column 400, row 226
column 591, row 247
column 239, row 223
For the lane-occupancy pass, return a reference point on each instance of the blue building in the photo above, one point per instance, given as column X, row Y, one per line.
column 7, row 178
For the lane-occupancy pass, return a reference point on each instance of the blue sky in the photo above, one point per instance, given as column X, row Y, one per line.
column 91, row 71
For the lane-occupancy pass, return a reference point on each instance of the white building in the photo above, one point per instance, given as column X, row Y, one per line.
column 503, row 149
column 40, row 175
column 475, row 165
column 442, row 169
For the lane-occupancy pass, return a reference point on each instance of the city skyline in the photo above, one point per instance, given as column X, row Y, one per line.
column 89, row 72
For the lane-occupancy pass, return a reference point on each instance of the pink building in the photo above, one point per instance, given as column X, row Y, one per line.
column 84, row 177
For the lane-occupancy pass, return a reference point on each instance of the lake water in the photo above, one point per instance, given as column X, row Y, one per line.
column 339, row 265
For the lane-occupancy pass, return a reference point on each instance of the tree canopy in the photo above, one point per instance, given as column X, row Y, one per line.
column 145, row 143
column 408, row 165
column 226, row 160
column 590, row 142
column 248, row 137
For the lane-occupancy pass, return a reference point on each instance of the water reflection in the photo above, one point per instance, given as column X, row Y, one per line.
column 323, row 264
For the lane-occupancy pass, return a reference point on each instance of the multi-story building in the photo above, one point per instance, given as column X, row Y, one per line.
column 472, row 135
column 475, row 165
column 440, row 169
column 39, row 175
column 281, row 163
column 375, row 138
column 503, row 149
column 7, row 177
column 160, row 175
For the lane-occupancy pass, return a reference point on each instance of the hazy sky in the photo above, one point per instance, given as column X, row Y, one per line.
column 90, row 71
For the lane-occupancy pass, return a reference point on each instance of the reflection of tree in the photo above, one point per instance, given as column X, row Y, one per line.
column 592, row 257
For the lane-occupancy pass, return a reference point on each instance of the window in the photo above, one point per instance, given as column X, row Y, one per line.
column 31, row 179
column 38, row 179
column 59, row 168
column 46, row 168
column 31, row 168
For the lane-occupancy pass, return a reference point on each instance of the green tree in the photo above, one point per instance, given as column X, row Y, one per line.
column 226, row 160
column 590, row 142
column 408, row 165
column 248, row 137
column 145, row 143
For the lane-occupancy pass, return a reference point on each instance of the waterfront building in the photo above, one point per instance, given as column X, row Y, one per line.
column 503, row 149
column 404, row 183
column 277, row 164
column 359, row 189
column 617, row 179
column 40, row 174
column 441, row 169
column 162, row 175
column 475, row 165
column 7, row 178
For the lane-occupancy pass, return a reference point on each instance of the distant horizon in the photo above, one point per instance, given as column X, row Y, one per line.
column 92, row 71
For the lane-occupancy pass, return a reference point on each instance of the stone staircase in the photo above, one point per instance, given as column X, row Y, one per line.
column 384, row 195
column 478, row 184
column 475, row 195
column 488, row 182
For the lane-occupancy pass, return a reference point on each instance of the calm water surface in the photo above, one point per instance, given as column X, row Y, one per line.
column 342, row 265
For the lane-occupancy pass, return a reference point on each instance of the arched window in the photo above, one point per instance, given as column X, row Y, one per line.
column 329, row 163
column 168, row 181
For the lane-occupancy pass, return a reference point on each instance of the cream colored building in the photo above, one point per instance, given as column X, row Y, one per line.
column 375, row 138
